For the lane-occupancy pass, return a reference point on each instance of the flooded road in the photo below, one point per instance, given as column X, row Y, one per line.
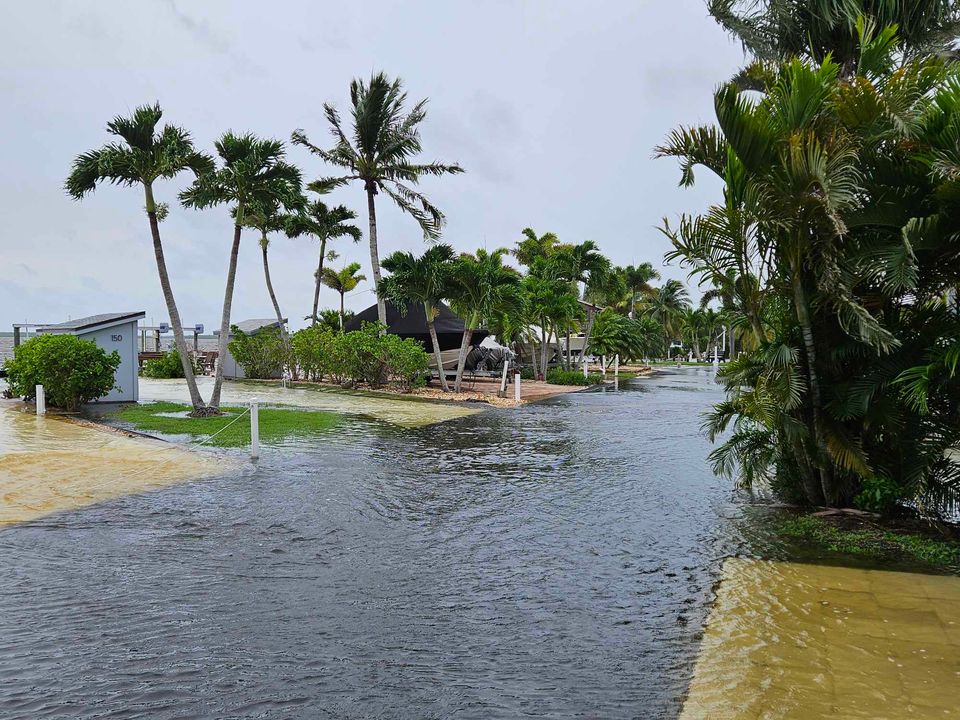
column 558, row 560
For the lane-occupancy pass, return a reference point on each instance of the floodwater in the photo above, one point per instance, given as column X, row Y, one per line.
column 48, row 465
column 556, row 560
column 405, row 412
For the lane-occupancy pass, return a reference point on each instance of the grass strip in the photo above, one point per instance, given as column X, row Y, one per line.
column 275, row 423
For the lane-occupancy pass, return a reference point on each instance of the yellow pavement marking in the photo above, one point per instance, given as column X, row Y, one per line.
column 790, row 640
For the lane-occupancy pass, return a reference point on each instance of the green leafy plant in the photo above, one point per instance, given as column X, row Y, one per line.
column 167, row 366
column 558, row 376
column 72, row 371
column 262, row 354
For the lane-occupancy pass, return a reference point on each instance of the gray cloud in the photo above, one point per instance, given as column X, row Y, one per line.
column 552, row 107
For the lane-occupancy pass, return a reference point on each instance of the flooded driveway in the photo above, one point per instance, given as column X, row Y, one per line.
column 557, row 560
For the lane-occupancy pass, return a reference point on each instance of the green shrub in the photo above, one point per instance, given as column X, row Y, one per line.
column 261, row 354
column 360, row 357
column 526, row 373
column 878, row 494
column 556, row 376
column 72, row 371
column 166, row 367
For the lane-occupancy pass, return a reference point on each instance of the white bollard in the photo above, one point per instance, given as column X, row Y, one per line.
column 254, row 429
column 516, row 387
column 41, row 400
column 616, row 372
column 585, row 367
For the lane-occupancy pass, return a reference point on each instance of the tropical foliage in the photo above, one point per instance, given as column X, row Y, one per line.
column 72, row 371
column 833, row 252
column 378, row 151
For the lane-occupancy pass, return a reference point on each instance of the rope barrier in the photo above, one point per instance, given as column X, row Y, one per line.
column 239, row 417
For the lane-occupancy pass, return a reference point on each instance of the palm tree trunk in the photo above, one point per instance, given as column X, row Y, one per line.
column 432, row 328
column 569, row 354
column 533, row 357
column 276, row 309
column 806, row 326
column 543, row 349
column 225, row 316
column 462, row 361
column 316, row 289
column 374, row 256
column 178, row 338
column 342, row 295
column 591, row 316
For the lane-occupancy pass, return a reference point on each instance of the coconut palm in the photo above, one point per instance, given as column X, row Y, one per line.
column 343, row 281
column 266, row 219
column 143, row 157
column 253, row 174
column 667, row 305
column 424, row 280
column 481, row 286
column 385, row 140
column 637, row 279
column 325, row 223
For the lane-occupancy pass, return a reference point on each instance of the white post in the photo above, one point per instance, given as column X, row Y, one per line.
column 254, row 429
column 603, row 366
column 516, row 387
column 585, row 367
column 41, row 400
column 616, row 371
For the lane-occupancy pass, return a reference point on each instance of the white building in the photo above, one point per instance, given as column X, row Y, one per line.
column 111, row 331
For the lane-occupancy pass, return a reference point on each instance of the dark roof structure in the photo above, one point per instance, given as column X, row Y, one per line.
column 410, row 322
column 90, row 322
column 251, row 327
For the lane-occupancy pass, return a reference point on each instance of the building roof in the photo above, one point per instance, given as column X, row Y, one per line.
column 411, row 322
column 92, row 321
column 255, row 325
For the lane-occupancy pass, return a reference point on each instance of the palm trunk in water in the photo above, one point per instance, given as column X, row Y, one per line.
column 225, row 316
column 431, row 326
column 462, row 361
column 178, row 338
column 374, row 256
column 823, row 463
column 316, row 289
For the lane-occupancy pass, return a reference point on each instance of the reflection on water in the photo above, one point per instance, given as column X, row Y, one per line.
column 789, row 640
column 404, row 412
column 48, row 465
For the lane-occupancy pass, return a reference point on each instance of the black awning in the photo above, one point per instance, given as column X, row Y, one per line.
column 412, row 323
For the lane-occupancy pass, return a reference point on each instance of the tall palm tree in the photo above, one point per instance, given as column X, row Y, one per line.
column 253, row 174
column 481, row 286
column 268, row 218
column 343, row 281
column 424, row 280
column 532, row 246
column 143, row 157
column 667, row 306
column 637, row 279
column 324, row 223
column 385, row 139
column 580, row 263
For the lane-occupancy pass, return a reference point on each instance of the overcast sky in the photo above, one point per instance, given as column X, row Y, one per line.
column 553, row 108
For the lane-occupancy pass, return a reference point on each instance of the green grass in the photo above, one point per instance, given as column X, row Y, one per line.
column 275, row 423
column 873, row 542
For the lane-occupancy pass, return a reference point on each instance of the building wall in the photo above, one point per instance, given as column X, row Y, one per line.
column 122, row 338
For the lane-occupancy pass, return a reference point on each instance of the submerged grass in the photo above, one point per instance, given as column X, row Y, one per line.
column 872, row 541
column 275, row 423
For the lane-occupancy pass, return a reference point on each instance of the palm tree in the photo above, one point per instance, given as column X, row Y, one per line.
column 254, row 174
column 424, row 280
column 781, row 29
column 144, row 157
column 580, row 263
column 343, row 281
column 324, row 223
column 667, row 305
column 637, row 279
column 268, row 218
column 533, row 246
column 481, row 287
column 384, row 141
